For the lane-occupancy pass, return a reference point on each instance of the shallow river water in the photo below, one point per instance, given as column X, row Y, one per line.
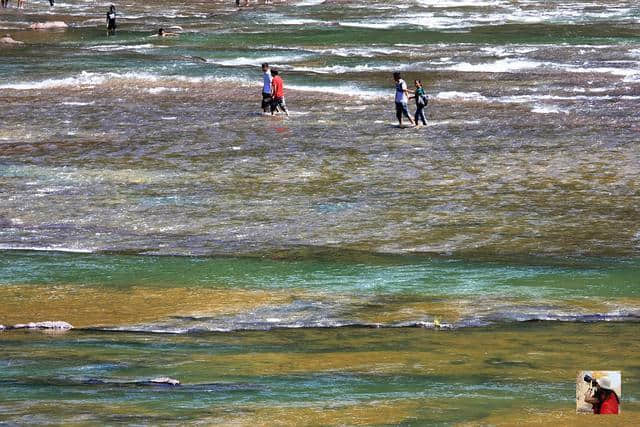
column 329, row 267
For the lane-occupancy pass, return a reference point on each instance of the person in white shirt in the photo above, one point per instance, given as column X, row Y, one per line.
column 402, row 99
column 266, row 87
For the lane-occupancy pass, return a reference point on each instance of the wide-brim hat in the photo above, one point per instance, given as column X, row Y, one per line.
column 604, row 383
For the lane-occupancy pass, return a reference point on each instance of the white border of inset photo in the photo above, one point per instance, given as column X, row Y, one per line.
column 590, row 385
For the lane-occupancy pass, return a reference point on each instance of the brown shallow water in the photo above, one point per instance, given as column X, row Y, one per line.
column 331, row 177
column 460, row 274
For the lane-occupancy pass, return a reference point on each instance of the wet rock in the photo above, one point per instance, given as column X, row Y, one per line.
column 58, row 325
column 8, row 40
column 48, row 25
column 165, row 380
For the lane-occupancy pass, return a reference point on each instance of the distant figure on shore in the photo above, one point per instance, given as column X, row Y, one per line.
column 8, row 40
column 402, row 99
column 21, row 4
column 421, row 103
column 277, row 93
column 4, row 4
column 48, row 25
column 266, row 87
column 111, row 21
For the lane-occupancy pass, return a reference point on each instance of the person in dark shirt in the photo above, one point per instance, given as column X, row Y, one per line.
column 421, row 102
column 111, row 21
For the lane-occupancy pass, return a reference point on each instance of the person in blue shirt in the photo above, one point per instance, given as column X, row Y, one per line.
column 266, row 87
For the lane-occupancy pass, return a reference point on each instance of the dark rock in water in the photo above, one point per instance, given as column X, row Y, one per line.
column 160, row 381
column 5, row 222
column 94, row 381
column 60, row 325
column 166, row 382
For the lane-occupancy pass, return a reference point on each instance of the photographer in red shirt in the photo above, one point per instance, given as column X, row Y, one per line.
column 604, row 400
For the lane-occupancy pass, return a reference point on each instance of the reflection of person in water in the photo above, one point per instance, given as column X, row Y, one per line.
column 604, row 400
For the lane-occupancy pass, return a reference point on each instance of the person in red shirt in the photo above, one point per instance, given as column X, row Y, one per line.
column 277, row 93
column 605, row 400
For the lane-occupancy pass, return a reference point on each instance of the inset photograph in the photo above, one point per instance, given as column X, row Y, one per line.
column 598, row 392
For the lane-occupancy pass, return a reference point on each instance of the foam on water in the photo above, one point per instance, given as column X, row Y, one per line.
column 303, row 3
column 517, row 203
column 374, row 25
column 547, row 109
column 465, row 96
column 295, row 21
column 77, row 103
column 86, row 78
column 118, row 47
column 257, row 61
column 461, row 3
column 318, row 314
column 508, row 65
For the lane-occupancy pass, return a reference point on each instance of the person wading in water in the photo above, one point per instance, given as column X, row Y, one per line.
column 421, row 103
column 277, row 91
column 111, row 21
column 402, row 99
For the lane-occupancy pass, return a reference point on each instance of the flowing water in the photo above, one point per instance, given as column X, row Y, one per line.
column 327, row 268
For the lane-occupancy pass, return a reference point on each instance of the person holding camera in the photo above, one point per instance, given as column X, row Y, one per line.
column 604, row 399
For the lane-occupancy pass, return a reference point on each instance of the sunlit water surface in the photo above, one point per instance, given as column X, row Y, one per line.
column 146, row 201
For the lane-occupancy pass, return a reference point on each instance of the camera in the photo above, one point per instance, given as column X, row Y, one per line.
column 590, row 380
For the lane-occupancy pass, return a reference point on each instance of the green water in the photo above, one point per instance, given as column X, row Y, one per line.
column 326, row 272
column 516, row 370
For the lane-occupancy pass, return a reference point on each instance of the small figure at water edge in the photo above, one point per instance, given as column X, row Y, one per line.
column 111, row 21
column 162, row 33
column 277, row 93
column 402, row 99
